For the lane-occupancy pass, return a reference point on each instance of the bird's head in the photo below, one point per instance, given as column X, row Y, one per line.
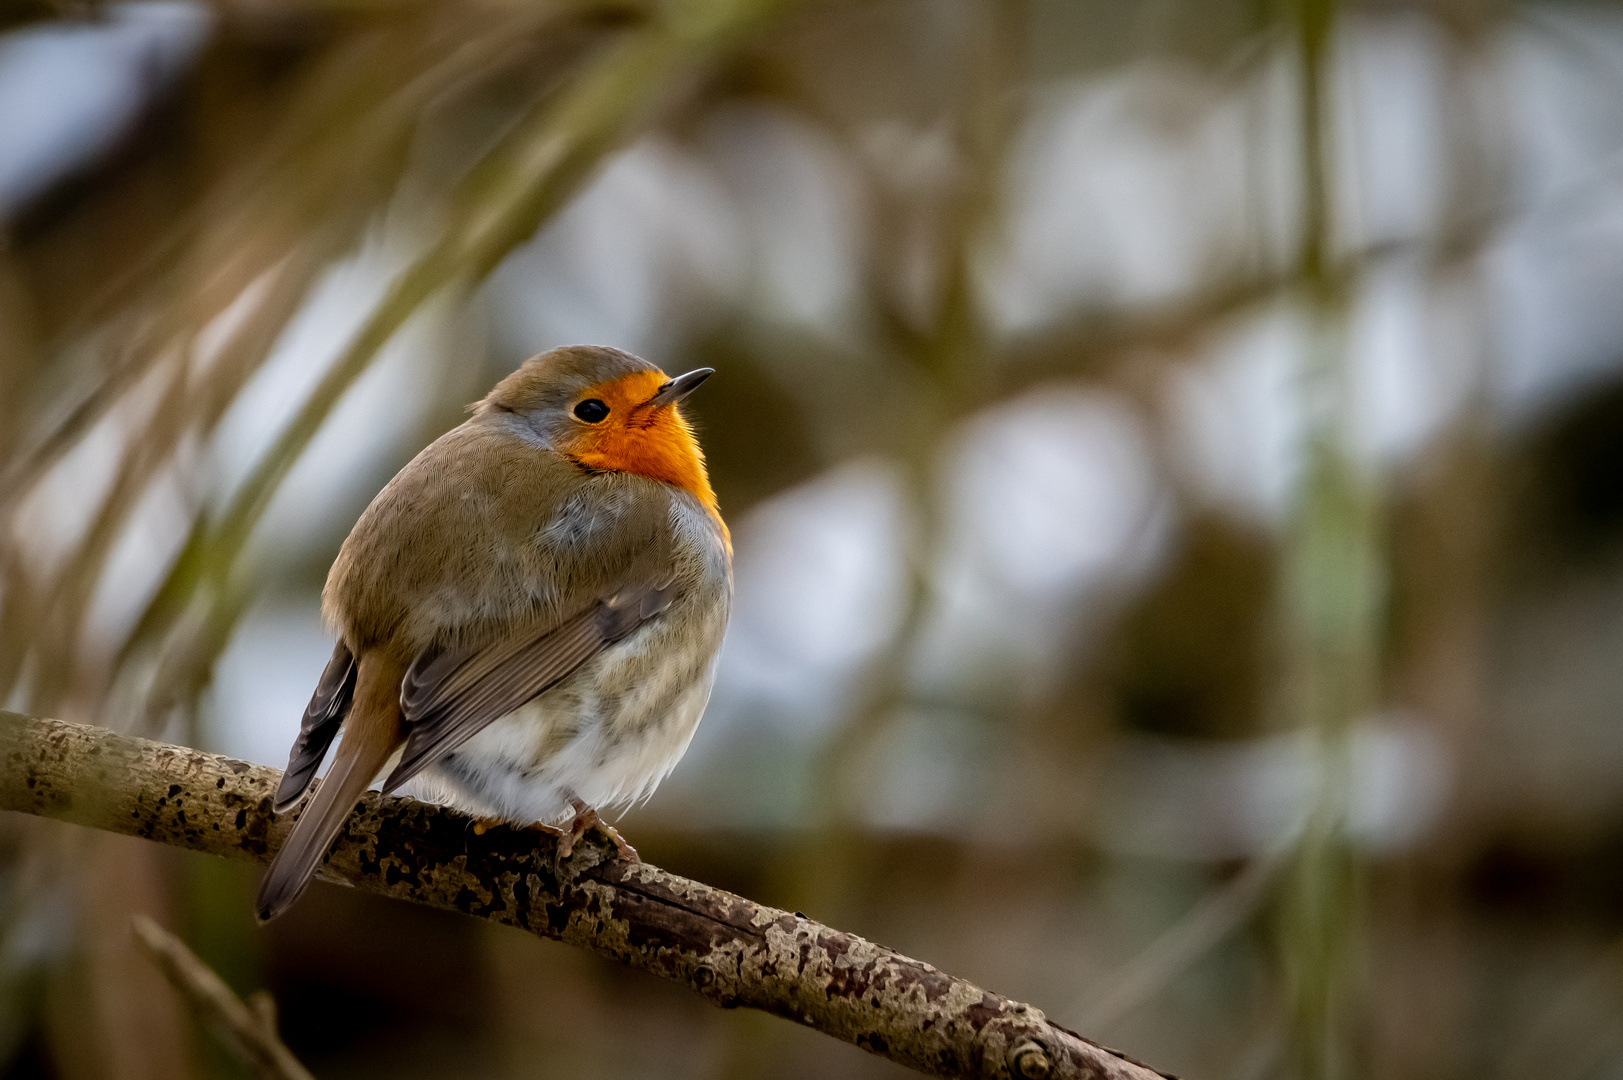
column 607, row 410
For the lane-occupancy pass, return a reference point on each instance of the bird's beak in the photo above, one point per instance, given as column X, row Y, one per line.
column 679, row 387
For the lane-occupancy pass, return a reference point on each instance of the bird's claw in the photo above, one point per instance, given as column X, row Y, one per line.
column 587, row 819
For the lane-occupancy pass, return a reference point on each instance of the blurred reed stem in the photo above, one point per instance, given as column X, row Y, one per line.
column 1332, row 598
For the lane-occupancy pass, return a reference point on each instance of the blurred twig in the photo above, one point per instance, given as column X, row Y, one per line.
column 1577, row 1029
column 729, row 949
column 1211, row 920
column 249, row 1033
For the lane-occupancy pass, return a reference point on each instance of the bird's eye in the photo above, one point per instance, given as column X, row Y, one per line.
column 591, row 410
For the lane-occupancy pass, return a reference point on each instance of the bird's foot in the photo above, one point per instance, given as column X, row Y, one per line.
column 587, row 819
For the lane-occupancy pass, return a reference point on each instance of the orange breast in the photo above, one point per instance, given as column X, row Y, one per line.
column 654, row 442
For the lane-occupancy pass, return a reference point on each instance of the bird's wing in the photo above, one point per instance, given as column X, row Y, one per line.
column 449, row 696
column 322, row 717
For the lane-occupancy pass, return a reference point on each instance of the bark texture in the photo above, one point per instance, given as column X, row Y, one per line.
column 729, row 949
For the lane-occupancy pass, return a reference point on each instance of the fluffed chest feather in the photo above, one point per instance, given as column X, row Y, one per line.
column 606, row 736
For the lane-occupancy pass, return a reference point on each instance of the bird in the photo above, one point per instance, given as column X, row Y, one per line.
column 528, row 614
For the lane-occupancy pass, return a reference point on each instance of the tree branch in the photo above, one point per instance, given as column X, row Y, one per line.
column 735, row 952
column 249, row 1034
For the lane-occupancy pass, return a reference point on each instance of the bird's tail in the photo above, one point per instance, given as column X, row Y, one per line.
column 371, row 734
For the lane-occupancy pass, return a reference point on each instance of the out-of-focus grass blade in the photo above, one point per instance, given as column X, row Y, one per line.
column 278, row 218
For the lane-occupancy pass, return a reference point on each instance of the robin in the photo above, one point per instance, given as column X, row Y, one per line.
column 528, row 614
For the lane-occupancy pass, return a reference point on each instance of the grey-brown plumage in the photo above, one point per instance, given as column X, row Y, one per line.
column 528, row 614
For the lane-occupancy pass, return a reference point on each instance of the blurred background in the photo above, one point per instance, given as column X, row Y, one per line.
column 1174, row 451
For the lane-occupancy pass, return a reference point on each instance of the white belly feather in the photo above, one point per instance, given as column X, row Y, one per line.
column 607, row 750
